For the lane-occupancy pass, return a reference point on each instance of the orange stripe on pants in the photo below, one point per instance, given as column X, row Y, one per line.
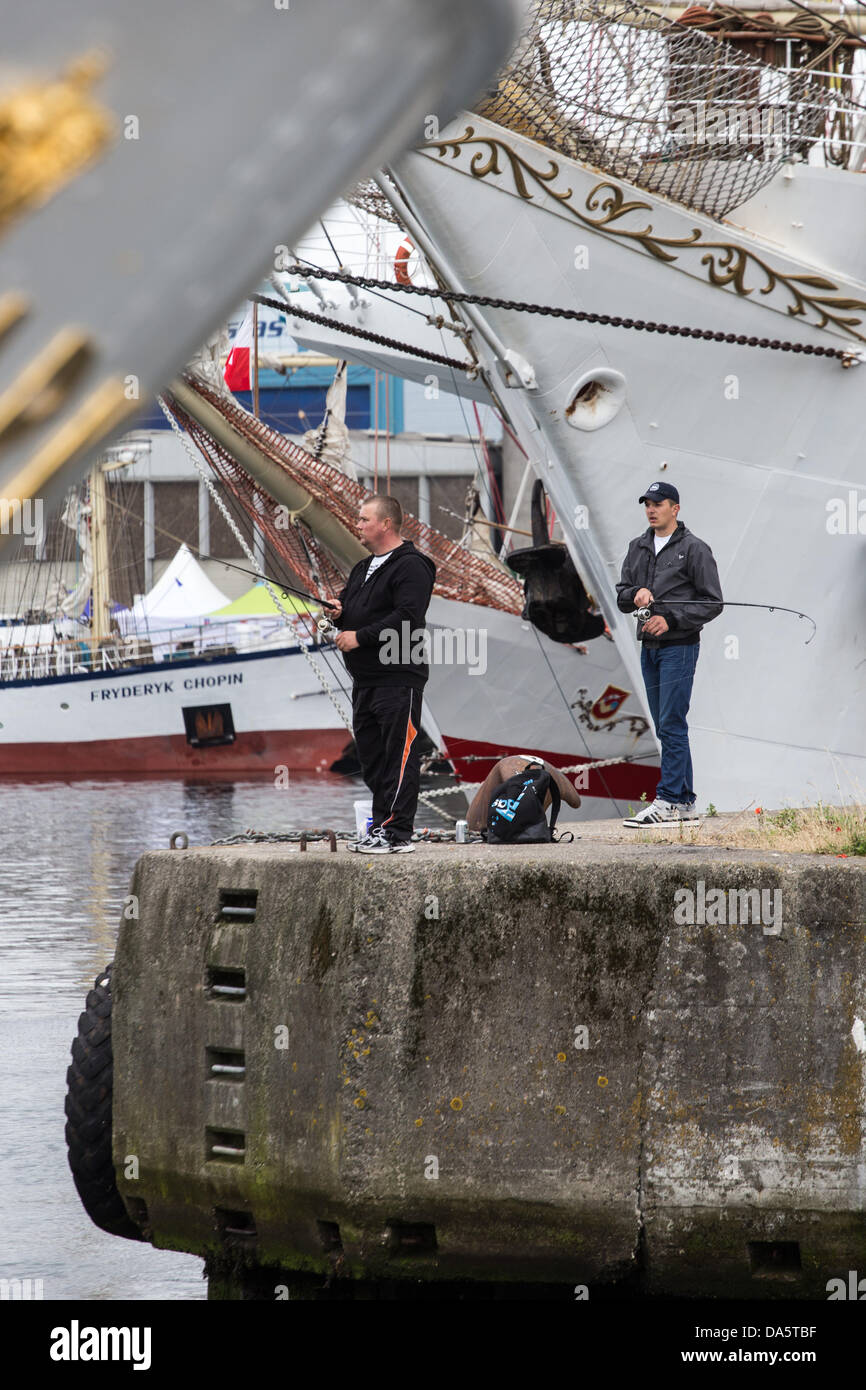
column 411, row 735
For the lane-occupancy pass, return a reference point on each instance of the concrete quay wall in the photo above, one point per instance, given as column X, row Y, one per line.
column 498, row 1064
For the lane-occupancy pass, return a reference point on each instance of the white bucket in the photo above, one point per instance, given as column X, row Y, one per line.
column 363, row 817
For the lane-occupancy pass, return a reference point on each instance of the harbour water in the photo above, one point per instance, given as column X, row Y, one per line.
column 68, row 850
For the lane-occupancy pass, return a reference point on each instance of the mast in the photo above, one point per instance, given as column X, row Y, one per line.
column 342, row 543
column 255, row 362
column 99, row 602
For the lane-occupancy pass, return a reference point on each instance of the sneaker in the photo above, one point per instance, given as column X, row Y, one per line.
column 381, row 843
column 372, row 836
column 689, row 810
column 657, row 813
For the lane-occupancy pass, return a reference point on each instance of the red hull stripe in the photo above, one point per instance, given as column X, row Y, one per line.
column 302, row 750
column 621, row 782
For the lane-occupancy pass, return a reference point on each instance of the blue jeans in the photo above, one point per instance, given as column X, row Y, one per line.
column 668, row 673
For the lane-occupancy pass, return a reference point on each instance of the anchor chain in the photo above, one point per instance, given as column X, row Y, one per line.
column 849, row 357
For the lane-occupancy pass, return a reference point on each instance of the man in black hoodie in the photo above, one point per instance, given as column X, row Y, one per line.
column 381, row 614
column 672, row 571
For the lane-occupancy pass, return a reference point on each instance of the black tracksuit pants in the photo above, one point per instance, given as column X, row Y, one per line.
column 386, row 720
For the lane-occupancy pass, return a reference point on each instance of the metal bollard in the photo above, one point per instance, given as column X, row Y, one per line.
column 318, row 834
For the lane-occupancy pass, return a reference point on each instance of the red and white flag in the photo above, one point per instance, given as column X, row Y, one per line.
column 238, row 370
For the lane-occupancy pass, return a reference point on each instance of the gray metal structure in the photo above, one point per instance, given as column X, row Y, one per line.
column 152, row 159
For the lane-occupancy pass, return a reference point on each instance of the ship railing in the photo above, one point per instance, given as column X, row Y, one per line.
column 65, row 656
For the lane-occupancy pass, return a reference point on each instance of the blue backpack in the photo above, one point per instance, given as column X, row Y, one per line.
column 516, row 813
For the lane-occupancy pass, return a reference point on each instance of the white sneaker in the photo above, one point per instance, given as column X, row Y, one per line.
column 657, row 813
column 689, row 810
column 373, row 837
column 381, row 843
column 401, row 846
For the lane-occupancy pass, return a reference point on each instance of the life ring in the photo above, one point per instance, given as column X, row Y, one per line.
column 405, row 251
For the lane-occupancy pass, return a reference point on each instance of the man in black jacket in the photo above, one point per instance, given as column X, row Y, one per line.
column 381, row 614
column 669, row 568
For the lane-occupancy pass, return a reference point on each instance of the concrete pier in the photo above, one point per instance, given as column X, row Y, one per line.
column 583, row 1064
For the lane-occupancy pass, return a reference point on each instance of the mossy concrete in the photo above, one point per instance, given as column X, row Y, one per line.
column 522, row 1048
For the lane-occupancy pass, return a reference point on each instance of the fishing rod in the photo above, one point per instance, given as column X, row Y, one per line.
column 324, row 626
column 285, row 589
column 642, row 614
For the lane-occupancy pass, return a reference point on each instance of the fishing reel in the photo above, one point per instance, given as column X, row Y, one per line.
column 643, row 615
column 326, row 629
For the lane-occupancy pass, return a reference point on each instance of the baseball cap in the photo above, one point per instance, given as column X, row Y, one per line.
column 656, row 491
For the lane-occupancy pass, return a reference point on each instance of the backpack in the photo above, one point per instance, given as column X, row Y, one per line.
column 516, row 814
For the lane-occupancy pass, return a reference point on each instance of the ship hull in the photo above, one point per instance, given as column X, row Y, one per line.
column 519, row 692
column 764, row 446
column 509, row 689
column 244, row 714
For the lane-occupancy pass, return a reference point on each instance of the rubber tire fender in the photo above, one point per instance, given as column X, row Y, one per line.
column 88, row 1115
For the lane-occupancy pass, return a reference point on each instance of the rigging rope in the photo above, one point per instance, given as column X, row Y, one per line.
column 570, row 710
column 236, row 532
column 259, row 573
column 572, row 767
column 285, row 589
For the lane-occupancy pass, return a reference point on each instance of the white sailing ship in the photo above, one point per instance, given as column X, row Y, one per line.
column 586, row 181
column 161, row 687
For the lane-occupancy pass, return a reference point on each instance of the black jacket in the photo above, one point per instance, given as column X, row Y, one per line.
column 682, row 573
column 387, row 614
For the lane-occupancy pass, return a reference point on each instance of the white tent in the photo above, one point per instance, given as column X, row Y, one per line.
column 182, row 597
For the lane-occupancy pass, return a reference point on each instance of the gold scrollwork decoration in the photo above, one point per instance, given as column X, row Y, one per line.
column 614, row 206
column 727, row 264
column 481, row 168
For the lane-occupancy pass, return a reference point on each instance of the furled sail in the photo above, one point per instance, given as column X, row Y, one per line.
column 330, row 440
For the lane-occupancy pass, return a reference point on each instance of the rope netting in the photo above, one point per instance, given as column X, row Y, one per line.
column 660, row 102
column 369, row 196
column 311, row 565
column 460, row 574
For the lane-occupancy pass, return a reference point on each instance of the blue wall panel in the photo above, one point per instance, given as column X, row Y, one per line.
column 279, row 408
